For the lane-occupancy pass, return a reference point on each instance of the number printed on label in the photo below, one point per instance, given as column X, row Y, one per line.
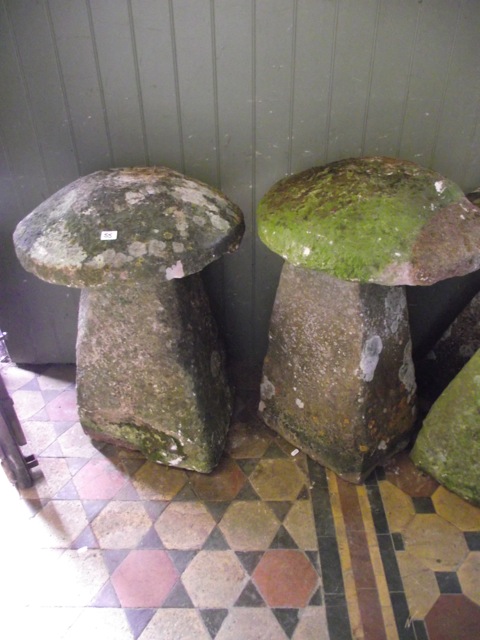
column 108, row 235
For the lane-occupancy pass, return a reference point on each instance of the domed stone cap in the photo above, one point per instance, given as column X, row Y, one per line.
column 127, row 224
column 378, row 220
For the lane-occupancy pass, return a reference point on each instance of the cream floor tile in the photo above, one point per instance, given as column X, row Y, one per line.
column 15, row 377
column 27, row 403
column 57, row 378
column 50, row 476
column 57, row 525
column 250, row 624
column 312, row 625
column 100, row 623
column 73, row 579
column 38, row 622
column 121, row 525
column 301, row 525
column 175, row 624
column 75, row 443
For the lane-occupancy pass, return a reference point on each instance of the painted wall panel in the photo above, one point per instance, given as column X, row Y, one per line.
column 120, row 86
column 77, row 61
column 238, row 93
column 234, row 67
column 158, row 82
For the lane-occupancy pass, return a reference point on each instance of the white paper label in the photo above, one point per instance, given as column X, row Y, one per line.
column 108, row 235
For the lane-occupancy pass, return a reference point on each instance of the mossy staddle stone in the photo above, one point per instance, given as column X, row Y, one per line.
column 338, row 379
column 163, row 223
column 448, row 445
column 378, row 220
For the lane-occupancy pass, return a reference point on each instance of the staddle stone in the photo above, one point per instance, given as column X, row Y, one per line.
column 338, row 379
column 448, row 444
column 375, row 219
column 150, row 364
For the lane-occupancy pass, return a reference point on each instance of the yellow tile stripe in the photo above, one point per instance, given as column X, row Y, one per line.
column 345, row 559
column 377, row 564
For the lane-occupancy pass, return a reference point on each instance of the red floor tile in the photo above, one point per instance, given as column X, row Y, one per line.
column 144, row 578
column 285, row 578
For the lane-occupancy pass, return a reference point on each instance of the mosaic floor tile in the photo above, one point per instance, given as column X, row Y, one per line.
column 277, row 479
column 121, row 525
column 27, row 403
column 469, row 576
column 246, row 623
column 184, row 525
column 397, row 558
column 301, row 524
column 420, row 585
column 223, row 483
column 398, row 506
column 144, row 578
column 155, row 482
column 57, row 377
column 249, row 525
column 453, row 616
column 100, row 623
column 173, row 624
column 214, row 579
column 455, row 510
column 402, row 473
column 285, row 578
column 75, row 444
column 57, row 525
column 16, row 377
column 50, row 476
column 312, row 624
column 248, row 441
column 436, row 543
column 63, row 407
column 99, row 480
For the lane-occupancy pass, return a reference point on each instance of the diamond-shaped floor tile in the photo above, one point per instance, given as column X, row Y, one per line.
column 214, row 579
column 144, row 578
column 286, row 578
column 277, row 479
column 249, row 525
column 184, row 525
column 63, row 407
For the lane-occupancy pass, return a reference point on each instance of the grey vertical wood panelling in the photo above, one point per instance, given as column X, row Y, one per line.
column 84, row 99
column 238, row 93
column 234, row 68
column 156, row 60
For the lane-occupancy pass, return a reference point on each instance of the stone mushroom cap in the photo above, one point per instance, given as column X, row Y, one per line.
column 377, row 219
column 161, row 223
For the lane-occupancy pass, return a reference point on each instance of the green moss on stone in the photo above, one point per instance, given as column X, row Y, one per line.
column 448, row 445
column 352, row 218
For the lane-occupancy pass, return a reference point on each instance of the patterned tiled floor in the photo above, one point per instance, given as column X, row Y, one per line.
column 270, row 545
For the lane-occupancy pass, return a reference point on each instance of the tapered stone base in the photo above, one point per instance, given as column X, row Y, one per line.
column 150, row 371
column 448, row 444
column 338, row 379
